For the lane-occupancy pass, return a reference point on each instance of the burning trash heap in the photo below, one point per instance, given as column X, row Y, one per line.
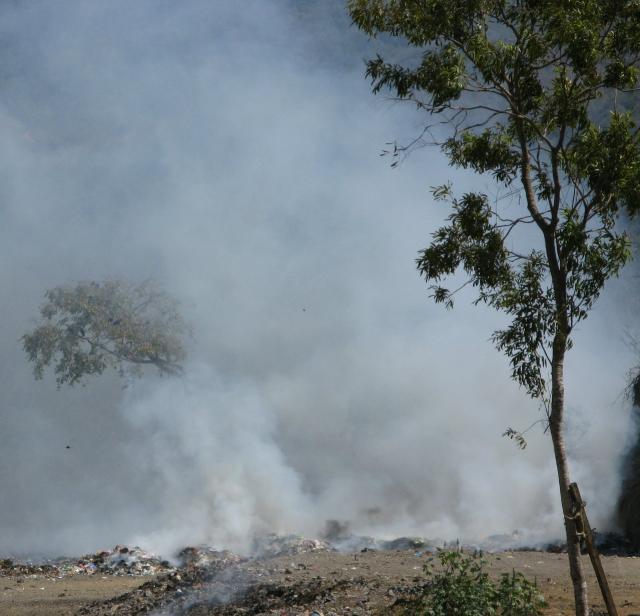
column 121, row 560
column 134, row 561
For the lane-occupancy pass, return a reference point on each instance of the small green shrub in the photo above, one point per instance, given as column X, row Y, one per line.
column 461, row 587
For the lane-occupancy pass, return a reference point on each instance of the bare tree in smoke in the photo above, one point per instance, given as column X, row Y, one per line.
column 518, row 83
column 93, row 326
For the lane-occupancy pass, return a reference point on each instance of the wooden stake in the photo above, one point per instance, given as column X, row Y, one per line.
column 583, row 529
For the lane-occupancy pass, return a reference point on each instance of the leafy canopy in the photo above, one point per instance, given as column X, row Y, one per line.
column 93, row 326
column 522, row 86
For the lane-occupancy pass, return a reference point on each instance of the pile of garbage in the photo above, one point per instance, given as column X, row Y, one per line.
column 608, row 543
column 204, row 556
column 614, row 544
column 363, row 543
column 121, row 560
column 10, row 567
column 271, row 545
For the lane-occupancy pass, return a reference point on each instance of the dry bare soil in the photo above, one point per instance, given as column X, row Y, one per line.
column 327, row 583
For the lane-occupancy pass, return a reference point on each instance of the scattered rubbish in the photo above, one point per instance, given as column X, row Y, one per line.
column 302, row 577
column 285, row 577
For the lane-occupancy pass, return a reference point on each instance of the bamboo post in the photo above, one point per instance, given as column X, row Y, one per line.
column 583, row 529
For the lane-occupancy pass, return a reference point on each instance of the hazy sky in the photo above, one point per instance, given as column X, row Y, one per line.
column 231, row 151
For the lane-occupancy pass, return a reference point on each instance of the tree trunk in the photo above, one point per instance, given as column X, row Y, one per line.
column 562, row 466
column 556, row 424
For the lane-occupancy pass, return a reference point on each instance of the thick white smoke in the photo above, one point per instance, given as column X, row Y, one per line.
column 210, row 450
column 230, row 150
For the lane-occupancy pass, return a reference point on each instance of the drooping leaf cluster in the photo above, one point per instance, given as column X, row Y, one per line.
column 472, row 241
column 87, row 328
column 518, row 82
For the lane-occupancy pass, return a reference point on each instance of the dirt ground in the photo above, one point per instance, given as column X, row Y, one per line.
column 44, row 596
column 329, row 583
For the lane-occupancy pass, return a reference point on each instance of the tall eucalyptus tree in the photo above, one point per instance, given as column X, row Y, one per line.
column 518, row 83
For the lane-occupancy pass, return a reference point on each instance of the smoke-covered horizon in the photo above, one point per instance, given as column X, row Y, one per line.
column 231, row 152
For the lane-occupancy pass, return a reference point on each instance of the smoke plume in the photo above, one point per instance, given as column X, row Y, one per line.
column 230, row 151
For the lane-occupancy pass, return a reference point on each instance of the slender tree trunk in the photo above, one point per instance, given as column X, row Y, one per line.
column 557, row 436
column 556, row 418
